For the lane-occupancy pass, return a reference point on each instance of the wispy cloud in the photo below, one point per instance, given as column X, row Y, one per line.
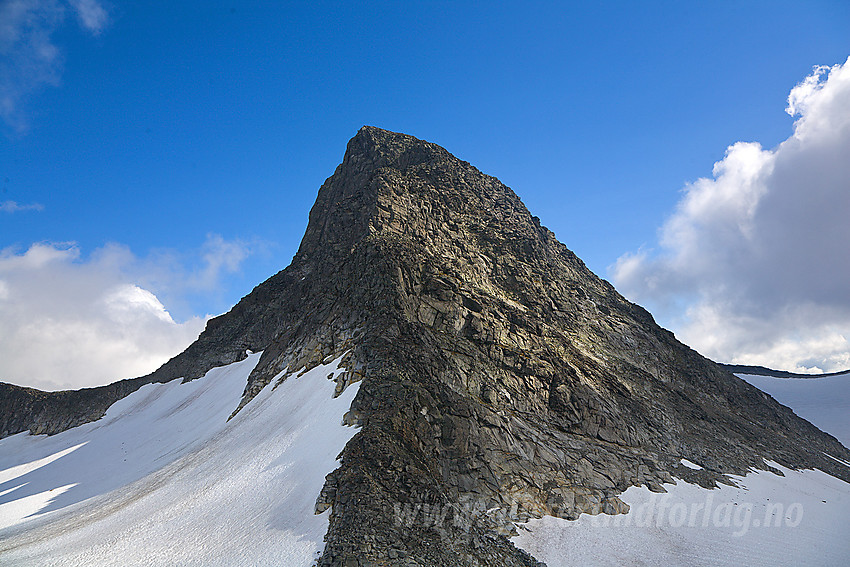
column 14, row 207
column 91, row 14
column 68, row 321
column 756, row 256
column 29, row 58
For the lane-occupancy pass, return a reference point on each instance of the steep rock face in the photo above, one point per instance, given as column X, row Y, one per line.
column 501, row 379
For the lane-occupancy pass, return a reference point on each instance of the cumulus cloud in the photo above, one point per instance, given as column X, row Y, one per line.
column 13, row 207
column 29, row 58
column 69, row 322
column 752, row 266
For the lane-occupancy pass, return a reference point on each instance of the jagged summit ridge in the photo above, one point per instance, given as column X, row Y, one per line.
column 361, row 198
column 497, row 371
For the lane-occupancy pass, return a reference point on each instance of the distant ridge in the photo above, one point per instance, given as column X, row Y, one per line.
column 764, row 371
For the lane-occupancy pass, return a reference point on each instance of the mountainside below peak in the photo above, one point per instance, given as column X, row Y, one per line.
column 499, row 378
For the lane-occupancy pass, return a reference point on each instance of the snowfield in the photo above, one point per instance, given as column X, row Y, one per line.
column 824, row 402
column 802, row 518
column 164, row 479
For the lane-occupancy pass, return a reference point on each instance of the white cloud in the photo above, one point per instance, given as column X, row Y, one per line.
column 91, row 14
column 13, row 207
column 220, row 257
column 753, row 264
column 71, row 322
column 29, row 58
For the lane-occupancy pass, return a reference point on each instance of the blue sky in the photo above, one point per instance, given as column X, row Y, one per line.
column 175, row 149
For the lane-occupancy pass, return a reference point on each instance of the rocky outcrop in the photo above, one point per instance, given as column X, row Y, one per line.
column 501, row 379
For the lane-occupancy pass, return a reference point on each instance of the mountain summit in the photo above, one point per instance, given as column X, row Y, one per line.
column 499, row 378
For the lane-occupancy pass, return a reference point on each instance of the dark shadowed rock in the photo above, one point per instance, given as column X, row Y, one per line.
column 501, row 379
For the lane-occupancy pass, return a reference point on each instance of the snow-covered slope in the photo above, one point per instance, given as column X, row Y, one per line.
column 800, row 518
column 163, row 478
column 825, row 402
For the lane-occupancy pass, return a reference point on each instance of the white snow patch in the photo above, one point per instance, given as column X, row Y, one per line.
column 14, row 472
column 690, row 465
column 16, row 511
column 798, row 519
column 164, row 478
column 843, row 462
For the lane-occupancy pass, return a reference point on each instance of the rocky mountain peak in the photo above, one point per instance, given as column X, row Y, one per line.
column 396, row 183
column 497, row 372
column 374, row 148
